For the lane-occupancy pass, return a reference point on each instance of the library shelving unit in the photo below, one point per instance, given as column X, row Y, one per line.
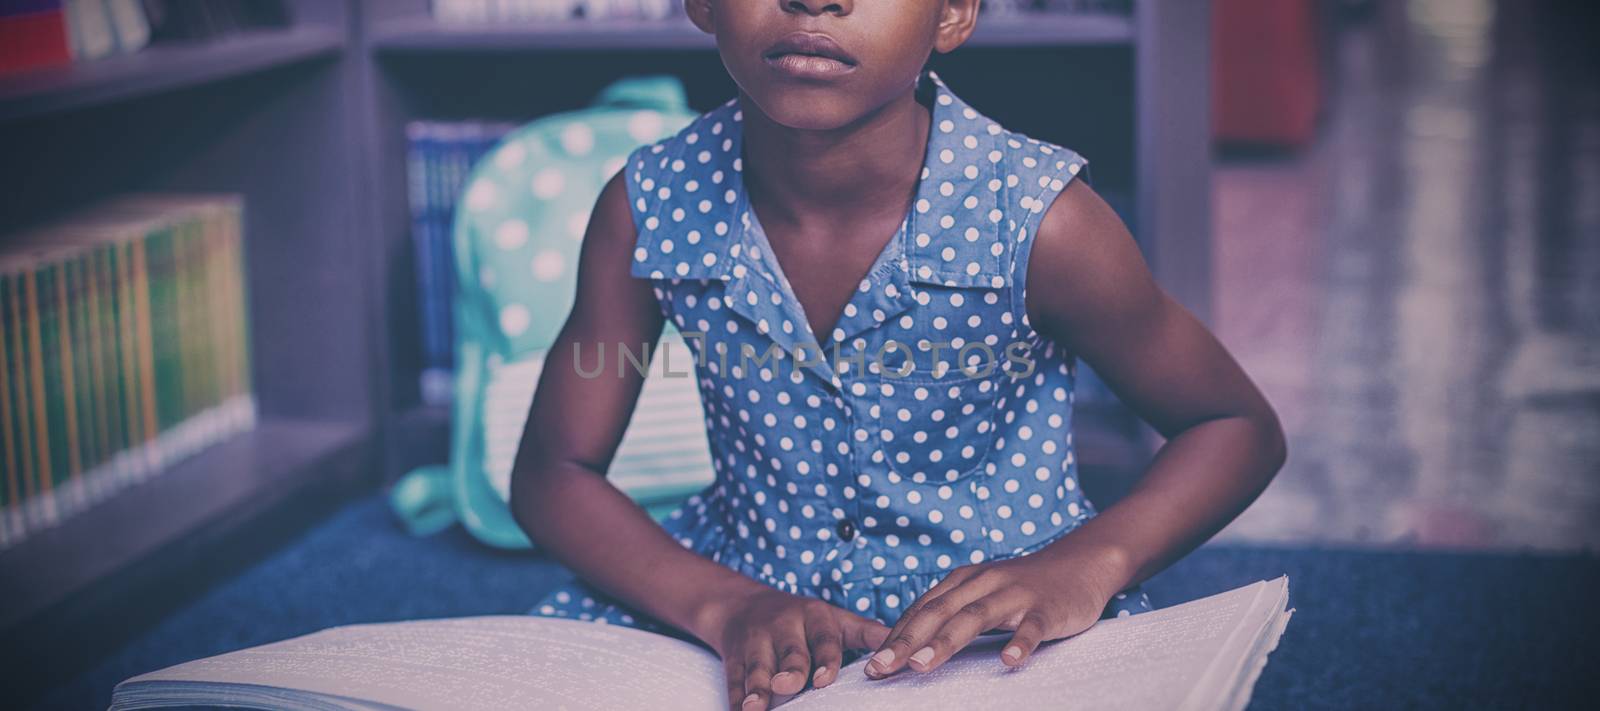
column 308, row 124
column 264, row 115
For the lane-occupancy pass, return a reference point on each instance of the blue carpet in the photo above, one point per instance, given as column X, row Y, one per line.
column 1372, row 630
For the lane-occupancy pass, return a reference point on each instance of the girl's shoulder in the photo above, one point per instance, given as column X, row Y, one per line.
column 964, row 146
column 707, row 147
column 684, row 186
column 982, row 192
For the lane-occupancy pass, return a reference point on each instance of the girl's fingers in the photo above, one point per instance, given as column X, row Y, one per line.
column 860, row 632
column 1030, row 632
column 960, row 629
column 826, row 639
column 917, row 627
column 945, row 584
column 913, row 611
column 733, row 670
column 758, row 667
column 794, row 659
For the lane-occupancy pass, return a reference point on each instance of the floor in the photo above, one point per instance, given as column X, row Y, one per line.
column 358, row 566
column 1419, row 292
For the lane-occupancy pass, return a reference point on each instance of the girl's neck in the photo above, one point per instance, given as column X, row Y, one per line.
column 799, row 176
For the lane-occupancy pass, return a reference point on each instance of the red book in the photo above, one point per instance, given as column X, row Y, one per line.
column 1266, row 82
column 33, row 38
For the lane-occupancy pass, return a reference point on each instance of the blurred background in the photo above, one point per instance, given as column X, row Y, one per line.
column 275, row 277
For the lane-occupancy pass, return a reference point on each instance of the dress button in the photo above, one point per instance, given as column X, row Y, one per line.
column 846, row 529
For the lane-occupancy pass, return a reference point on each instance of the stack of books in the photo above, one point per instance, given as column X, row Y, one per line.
column 440, row 156
column 124, row 347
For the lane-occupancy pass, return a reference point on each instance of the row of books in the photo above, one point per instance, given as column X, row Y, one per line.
column 439, row 157
column 43, row 33
column 124, row 348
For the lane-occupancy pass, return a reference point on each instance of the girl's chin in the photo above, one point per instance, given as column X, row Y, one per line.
column 807, row 110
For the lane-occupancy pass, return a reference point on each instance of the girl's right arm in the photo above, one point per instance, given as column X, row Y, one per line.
column 770, row 641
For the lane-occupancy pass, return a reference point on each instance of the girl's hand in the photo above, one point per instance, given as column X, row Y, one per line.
column 772, row 642
column 1047, row 595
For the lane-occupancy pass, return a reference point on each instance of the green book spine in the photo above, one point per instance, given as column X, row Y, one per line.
column 204, row 323
column 240, row 291
column 144, row 325
column 95, row 340
column 8, row 437
column 120, row 354
column 135, row 353
column 163, row 328
column 234, row 367
column 128, row 330
column 19, row 332
column 174, row 391
column 115, row 383
column 62, row 441
column 178, row 336
column 185, row 268
column 83, row 382
column 214, row 324
column 42, row 453
column 60, row 444
column 72, row 407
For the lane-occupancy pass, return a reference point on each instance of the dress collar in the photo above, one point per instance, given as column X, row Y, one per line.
column 703, row 234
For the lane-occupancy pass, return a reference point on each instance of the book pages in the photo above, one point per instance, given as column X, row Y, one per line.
column 468, row 663
column 1187, row 656
column 1201, row 655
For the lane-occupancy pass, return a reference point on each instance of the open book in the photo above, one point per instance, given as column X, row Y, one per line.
column 1204, row 654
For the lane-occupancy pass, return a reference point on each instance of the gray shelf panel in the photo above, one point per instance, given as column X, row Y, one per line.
column 159, row 69
column 1052, row 30
column 226, row 485
column 423, row 34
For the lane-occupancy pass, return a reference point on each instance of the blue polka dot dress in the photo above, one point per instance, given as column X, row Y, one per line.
column 931, row 429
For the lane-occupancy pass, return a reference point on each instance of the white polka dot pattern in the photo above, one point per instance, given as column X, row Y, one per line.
column 912, row 444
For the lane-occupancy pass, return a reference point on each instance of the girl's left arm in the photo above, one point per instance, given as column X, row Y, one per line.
column 1089, row 290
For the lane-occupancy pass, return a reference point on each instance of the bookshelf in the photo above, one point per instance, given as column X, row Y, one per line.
column 307, row 123
column 264, row 115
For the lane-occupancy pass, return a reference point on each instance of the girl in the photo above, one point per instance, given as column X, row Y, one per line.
column 885, row 292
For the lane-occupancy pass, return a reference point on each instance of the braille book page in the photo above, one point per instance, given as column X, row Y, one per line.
column 1199, row 655
column 1205, row 654
column 469, row 663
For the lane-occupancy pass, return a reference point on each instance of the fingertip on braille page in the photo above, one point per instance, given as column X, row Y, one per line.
column 785, row 680
column 881, row 662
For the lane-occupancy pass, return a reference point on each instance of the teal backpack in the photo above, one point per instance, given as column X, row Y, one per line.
column 516, row 234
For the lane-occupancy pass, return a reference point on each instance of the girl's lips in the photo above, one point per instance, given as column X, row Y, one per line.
column 809, row 55
column 809, row 66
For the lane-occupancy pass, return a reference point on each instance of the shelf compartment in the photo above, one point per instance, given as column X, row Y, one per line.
column 159, row 69
column 225, row 486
